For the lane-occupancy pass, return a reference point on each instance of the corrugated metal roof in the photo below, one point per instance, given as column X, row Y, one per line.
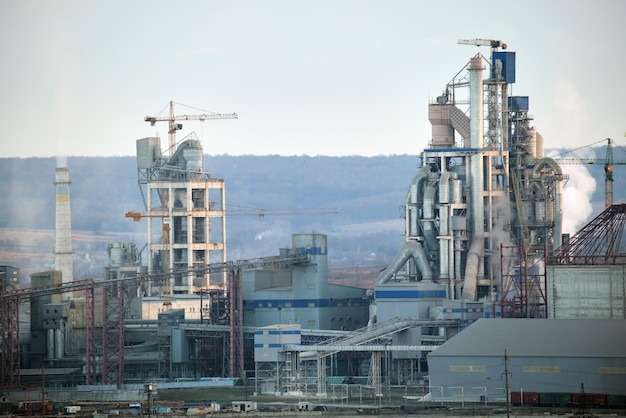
column 539, row 338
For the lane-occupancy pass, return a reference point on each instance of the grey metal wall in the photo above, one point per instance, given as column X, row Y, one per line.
column 527, row 374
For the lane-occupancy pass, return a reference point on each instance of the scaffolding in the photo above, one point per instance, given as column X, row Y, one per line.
column 523, row 272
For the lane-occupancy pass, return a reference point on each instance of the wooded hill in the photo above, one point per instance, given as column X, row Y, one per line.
column 368, row 193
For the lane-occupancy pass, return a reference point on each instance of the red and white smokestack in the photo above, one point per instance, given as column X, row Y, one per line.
column 63, row 251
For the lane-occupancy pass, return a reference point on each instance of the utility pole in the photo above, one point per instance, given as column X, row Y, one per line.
column 43, row 391
column 506, row 385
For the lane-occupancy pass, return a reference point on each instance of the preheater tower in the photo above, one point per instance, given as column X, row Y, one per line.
column 192, row 205
column 63, row 225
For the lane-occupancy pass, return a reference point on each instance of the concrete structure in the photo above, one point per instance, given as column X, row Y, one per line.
column 544, row 355
column 63, row 251
column 185, row 211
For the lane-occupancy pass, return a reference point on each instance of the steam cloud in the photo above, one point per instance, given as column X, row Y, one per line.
column 577, row 197
column 61, row 161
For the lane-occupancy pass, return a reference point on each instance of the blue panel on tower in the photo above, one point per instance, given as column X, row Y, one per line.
column 503, row 66
column 518, row 103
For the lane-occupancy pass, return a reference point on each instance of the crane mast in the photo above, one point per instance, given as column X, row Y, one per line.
column 608, row 175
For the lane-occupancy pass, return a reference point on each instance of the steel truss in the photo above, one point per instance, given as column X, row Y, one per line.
column 523, row 285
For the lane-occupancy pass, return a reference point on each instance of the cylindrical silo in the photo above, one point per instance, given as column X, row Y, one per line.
column 50, row 344
column 116, row 254
column 456, row 192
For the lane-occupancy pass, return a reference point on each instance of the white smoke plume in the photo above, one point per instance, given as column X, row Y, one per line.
column 61, row 161
column 577, row 195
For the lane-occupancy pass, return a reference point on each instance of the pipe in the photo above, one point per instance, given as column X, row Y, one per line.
column 474, row 256
column 58, row 342
column 444, row 187
column 456, row 294
column 50, row 344
column 410, row 250
column 373, row 314
column 412, row 215
column 428, row 207
column 471, row 268
column 444, row 230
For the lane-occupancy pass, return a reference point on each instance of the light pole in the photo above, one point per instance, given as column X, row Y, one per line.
column 149, row 389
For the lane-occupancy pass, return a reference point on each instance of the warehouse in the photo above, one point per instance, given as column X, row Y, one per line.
column 542, row 355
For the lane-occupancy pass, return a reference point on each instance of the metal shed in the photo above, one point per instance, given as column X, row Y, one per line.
column 542, row 355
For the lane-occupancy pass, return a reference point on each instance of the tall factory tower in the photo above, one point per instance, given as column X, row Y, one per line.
column 185, row 211
column 63, row 225
column 484, row 206
column 188, row 205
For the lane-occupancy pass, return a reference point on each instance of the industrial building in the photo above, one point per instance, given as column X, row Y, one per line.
column 185, row 214
column 483, row 267
column 586, row 277
column 539, row 355
column 301, row 294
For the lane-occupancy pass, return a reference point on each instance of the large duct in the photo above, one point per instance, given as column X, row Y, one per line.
column 410, row 250
column 428, row 223
column 411, row 204
column 445, row 241
column 472, row 265
column 63, row 251
column 558, row 196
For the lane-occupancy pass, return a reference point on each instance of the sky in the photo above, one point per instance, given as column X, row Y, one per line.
column 321, row 77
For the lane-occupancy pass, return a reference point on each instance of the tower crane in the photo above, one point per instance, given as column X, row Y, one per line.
column 492, row 43
column 290, row 211
column 136, row 216
column 608, row 163
column 173, row 126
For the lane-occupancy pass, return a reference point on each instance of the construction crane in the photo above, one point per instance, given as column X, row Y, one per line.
column 173, row 126
column 136, row 216
column 607, row 162
column 492, row 43
column 292, row 211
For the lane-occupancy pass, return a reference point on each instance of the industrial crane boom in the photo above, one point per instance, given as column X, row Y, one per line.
column 292, row 211
column 154, row 119
column 173, row 127
column 608, row 164
column 494, row 44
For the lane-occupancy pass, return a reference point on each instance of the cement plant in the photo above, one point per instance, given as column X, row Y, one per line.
column 486, row 302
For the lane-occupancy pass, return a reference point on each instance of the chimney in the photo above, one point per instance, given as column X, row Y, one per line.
column 63, row 225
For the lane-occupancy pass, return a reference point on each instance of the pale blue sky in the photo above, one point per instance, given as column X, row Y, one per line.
column 319, row 77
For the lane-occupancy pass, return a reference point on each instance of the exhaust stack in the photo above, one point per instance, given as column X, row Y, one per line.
column 63, row 251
